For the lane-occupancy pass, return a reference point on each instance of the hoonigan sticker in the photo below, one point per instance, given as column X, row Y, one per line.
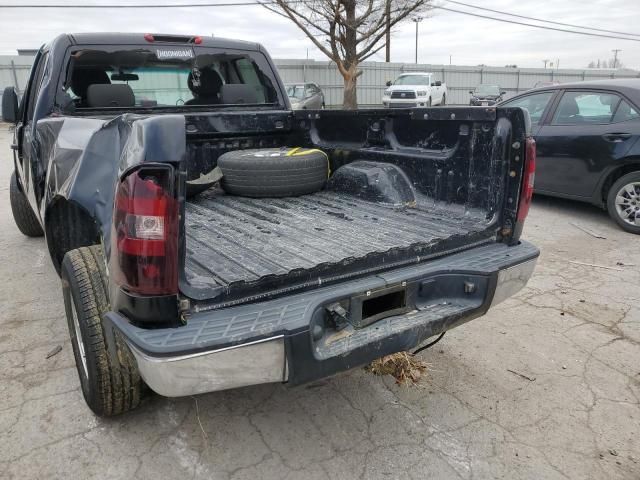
column 174, row 53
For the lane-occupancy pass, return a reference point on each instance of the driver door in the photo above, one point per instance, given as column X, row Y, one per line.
column 28, row 152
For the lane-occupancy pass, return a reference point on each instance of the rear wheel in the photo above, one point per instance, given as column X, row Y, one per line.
column 110, row 386
column 623, row 202
column 23, row 215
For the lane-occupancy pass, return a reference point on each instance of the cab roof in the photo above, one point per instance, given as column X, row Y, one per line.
column 114, row 38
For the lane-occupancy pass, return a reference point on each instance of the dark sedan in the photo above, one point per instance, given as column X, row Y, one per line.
column 587, row 144
column 484, row 95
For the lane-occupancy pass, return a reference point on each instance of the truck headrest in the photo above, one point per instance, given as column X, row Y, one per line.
column 82, row 77
column 112, row 95
column 233, row 93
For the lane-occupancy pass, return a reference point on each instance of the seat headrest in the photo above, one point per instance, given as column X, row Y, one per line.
column 234, row 93
column 568, row 110
column 116, row 95
column 81, row 78
column 210, row 83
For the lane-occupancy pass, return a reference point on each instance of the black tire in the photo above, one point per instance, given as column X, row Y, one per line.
column 273, row 173
column 632, row 183
column 23, row 215
column 109, row 386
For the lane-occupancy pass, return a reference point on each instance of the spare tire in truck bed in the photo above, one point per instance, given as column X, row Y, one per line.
column 274, row 173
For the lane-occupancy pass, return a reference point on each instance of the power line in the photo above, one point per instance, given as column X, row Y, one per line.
column 541, row 19
column 589, row 34
column 149, row 5
column 271, row 2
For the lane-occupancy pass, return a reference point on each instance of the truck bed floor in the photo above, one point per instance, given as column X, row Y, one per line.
column 234, row 241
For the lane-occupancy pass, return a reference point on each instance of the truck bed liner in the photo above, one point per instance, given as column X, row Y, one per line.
column 236, row 240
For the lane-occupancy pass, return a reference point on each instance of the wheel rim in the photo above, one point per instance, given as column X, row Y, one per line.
column 628, row 203
column 79, row 342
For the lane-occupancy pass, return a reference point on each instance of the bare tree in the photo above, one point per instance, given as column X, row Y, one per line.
column 347, row 31
column 611, row 63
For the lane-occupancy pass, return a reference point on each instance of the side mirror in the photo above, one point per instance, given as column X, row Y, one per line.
column 471, row 92
column 433, row 84
column 503, row 93
column 438, row 83
column 388, row 83
column 9, row 105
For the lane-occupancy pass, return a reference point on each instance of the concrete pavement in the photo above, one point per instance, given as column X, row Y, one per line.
column 574, row 332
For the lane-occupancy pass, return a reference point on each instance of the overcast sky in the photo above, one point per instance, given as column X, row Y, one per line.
column 469, row 40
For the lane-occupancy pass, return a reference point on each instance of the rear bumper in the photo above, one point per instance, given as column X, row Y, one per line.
column 287, row 339
column 483, row 103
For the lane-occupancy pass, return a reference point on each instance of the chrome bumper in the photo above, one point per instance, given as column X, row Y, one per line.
column 238, row 366
column 262, row 361
column 511, row 280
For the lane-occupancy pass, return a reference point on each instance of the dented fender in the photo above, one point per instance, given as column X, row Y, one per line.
column 82, row 160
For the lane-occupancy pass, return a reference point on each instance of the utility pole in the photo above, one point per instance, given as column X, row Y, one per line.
column 449, row 59
column 387, row 14
column 546, row 60
column 615, row 57
column 417, row 20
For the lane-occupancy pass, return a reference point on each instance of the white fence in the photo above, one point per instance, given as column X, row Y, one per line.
column 459, row 79
column 14, row 70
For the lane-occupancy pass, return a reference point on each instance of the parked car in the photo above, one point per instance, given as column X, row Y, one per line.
column 587, row 140
column 305, row 96
column 213, row 238
column 415, row 89
column 485, row 95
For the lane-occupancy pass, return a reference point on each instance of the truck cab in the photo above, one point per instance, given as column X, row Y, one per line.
column 415, row 89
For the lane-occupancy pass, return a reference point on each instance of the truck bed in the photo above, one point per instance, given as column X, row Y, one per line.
column 236, row 243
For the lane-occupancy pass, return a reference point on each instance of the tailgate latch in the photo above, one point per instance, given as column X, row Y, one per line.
column 338, row 315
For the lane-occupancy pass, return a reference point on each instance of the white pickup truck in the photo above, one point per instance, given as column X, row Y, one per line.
column 415, row 89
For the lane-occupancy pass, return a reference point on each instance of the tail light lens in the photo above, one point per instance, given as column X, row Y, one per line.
column 526, row 192
column 144, row 257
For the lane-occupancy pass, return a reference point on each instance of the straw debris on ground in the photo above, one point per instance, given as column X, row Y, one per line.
column 405, row 367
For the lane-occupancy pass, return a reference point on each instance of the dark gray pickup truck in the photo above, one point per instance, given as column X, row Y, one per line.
column 209, row 237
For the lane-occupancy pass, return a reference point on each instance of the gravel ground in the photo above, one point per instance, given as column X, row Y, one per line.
column 545, row 386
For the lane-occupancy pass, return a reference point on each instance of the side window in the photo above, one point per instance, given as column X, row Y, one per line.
column 535, row 104
column 625, row 112
column 250, row 77
column 35, row 88
column 585, row 107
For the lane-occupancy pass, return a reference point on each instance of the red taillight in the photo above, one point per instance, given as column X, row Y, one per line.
column 144, row 256
column 197, row 40
column 148, row 37
column 528, row 177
